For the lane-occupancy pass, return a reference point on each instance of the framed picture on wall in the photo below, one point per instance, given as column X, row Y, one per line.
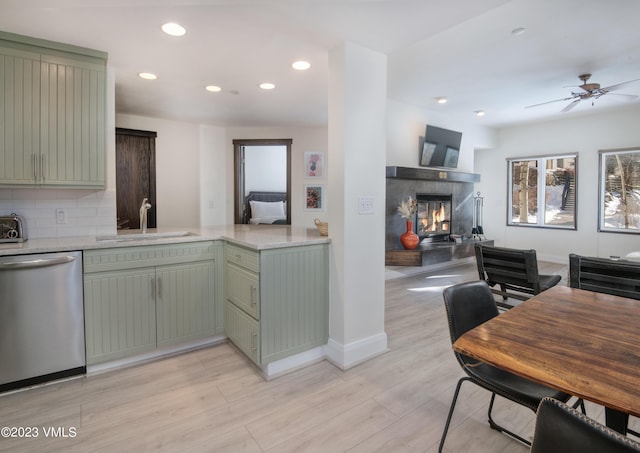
column 451, row 157
column 426, row 153
column 313, row 164
column 314, row 197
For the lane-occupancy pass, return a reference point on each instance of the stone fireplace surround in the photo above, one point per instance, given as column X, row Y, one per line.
column 403, row 182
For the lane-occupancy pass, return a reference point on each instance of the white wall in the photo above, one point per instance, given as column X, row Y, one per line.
column 214, row 176
column 584, row 135
column 177, row 168
column 357, row 115
column 406, row 123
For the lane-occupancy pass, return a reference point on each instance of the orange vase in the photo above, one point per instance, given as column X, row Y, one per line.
column 409, row 239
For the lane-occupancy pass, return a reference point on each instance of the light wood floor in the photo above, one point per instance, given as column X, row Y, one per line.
column 212, row 400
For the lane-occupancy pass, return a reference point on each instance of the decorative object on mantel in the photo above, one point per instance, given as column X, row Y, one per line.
column 477, row 231
column 323, row 227
column 407, row 209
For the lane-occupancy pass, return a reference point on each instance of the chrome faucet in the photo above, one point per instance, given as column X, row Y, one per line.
column 143, row 214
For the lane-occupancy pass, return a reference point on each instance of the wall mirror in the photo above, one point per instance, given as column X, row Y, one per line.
column 262, row 181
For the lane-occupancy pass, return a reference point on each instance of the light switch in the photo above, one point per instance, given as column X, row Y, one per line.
column 365, row 205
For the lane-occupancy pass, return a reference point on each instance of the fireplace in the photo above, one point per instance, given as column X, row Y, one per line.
column 433, row 217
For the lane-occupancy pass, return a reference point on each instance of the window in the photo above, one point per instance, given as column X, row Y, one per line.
column 619, row 191
column 542, row 191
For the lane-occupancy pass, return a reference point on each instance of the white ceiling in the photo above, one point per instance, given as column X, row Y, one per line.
column 461, row 49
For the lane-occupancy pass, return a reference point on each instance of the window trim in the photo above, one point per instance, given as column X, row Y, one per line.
column 541, row 196
column 601, row 186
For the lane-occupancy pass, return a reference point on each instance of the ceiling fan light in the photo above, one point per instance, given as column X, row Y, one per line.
column 267, row 86
column 213, row 88
column 147, row 76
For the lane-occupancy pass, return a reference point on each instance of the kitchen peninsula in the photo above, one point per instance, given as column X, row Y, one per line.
column 265, row 288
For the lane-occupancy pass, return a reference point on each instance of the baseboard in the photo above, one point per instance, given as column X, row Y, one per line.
column 159, row 353
column 352, row 354
column 287, row 365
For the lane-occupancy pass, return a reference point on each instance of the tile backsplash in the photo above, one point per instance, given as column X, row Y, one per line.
column 51, row 213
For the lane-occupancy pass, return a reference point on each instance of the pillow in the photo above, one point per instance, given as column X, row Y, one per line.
column 261, row 209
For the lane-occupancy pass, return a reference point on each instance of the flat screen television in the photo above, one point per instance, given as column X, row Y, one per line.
column 439, row 147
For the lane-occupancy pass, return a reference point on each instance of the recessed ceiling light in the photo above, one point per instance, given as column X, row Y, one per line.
column 479, row 112
column 441, row 100
column 301, row 65
column 518, row 31
column 267, row 86
column 147, row 76
column 173, row 29
column 213, row 88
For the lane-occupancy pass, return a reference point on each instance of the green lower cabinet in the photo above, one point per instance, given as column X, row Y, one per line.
column 120, row 314
column 183, row 305
column 277, row 300
column 140, row 298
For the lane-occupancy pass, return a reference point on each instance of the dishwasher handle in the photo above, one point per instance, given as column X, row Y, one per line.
column 34, row 263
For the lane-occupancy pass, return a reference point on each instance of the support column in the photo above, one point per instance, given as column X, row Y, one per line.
column 356, row 203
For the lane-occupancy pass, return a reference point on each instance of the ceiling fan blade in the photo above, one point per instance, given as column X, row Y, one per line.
column 570, row 106
column 549, row 102
column 630, row 97
column 619, row 85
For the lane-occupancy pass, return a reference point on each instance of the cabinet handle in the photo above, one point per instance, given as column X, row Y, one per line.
column 42, row 166
column 153, row 288
column 254, row 297
column 159, row 288
column 34, row 161
column 254, row 341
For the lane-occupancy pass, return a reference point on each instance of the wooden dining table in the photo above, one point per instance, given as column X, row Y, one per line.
column 581, row 342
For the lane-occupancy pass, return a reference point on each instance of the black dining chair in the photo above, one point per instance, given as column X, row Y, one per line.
column 607, row 276
column 562, row 429
column 468, row 305
column 603, row 275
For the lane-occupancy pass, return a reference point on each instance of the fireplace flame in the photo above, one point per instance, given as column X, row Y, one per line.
column 437, row 216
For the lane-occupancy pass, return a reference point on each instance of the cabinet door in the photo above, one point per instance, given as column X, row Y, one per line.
column 120, row 314
column 185, row 302
column 73, row 123
column 19, row 116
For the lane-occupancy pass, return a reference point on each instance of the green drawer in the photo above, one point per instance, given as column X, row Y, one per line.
column 243, row 289
column 243, row 331
column 240, row 256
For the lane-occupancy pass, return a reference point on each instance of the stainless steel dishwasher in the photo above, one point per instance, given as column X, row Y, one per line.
column 41, row 318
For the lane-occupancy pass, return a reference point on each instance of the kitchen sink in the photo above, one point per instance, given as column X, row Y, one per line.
column 144, row 236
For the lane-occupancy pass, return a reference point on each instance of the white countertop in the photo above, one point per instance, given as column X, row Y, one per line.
column 258, row 237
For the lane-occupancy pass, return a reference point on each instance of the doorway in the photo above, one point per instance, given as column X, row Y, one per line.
column 135, row 176
column 263, row 174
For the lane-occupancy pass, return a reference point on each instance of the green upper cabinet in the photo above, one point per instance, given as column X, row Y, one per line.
column 52, row 114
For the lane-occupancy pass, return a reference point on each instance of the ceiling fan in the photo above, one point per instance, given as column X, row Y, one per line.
column 589, row 91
